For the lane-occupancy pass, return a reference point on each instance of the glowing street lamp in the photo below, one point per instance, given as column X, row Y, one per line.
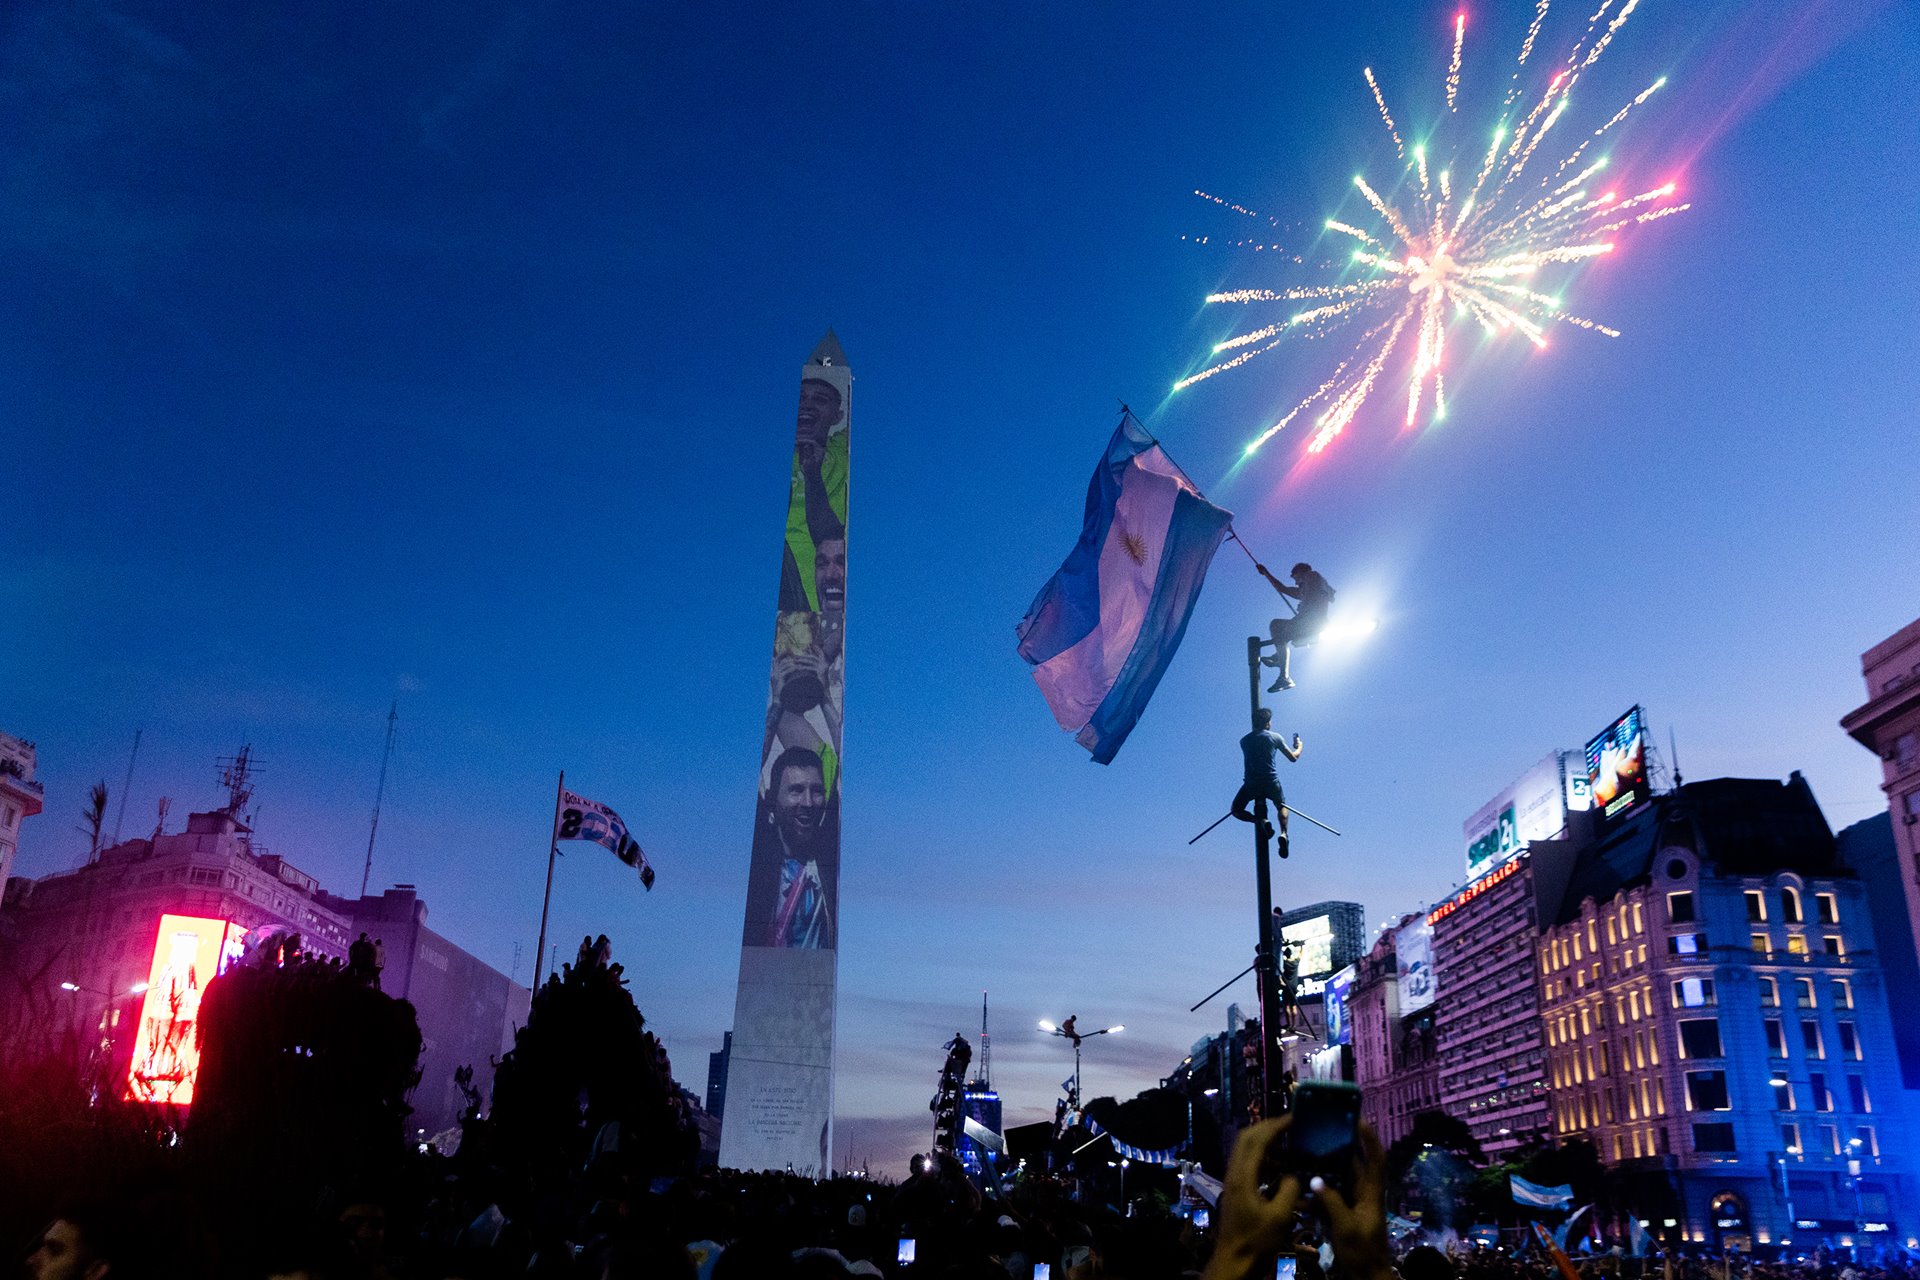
column 1068, row 1031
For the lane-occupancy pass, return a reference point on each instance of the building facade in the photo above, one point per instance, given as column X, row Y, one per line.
column 20, row 798
column 1718, row 1025
column 1396, row 1060
column 1888, row 724
column 1487, row 1025
column 88, row 949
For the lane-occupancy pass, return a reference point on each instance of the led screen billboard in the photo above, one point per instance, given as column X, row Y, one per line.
column 1617, row 765
column 1533, row 808
column 188, row 953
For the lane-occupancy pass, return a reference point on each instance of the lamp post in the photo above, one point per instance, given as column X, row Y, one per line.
column 1786, row 1194
column 75, row 988
column 1076, row 1037
column 1854, row 1146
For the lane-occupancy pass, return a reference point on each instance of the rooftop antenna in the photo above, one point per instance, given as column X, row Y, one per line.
column 236, row 775
column 380, row 792
column 126, row 786
column 986, row 1047
column 160, row 821
column 1673, row 749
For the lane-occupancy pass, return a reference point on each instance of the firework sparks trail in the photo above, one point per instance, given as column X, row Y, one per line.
column 1431, row 266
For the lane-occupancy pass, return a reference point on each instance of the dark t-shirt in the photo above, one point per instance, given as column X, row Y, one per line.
column 1258, row 748
column 1315, row 596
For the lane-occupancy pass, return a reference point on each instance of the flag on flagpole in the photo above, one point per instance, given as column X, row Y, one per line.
column 578, row 818
column 1639, row 1237
column 1535, row 1196
column 1565, row 1229
column 1102, row 631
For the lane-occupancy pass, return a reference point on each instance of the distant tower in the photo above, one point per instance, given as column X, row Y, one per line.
column 779, row 1106
column 978, row 1101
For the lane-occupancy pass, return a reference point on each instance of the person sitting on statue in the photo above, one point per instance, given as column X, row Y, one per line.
column 1261, row 781
column 1315, row 597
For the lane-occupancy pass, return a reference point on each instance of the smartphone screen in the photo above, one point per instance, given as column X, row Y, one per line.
column 1200, row 1218
column 1284, row 1268
column 906, row 1251
column 1042, row 1271
column 1320, row 1140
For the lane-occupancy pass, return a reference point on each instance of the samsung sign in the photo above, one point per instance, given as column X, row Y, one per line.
column 1533, row 808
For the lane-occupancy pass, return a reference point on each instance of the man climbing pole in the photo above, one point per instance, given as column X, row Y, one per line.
column 1261, row 780
column 1315, row 596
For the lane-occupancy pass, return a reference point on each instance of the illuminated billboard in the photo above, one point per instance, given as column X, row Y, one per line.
column 1533, row 808
column 1413, row 956
column 1325, row 937
column 189, row 952
column 1339, row 1028
column 1617, row 765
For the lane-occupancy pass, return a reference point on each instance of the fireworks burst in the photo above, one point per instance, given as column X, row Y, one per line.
column 1453, row 256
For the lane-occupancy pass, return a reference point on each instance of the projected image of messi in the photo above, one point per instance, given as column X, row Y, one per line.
column 792, row 889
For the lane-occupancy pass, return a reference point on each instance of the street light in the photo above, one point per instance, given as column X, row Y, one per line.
column 133, row 990
column 1069, row 1032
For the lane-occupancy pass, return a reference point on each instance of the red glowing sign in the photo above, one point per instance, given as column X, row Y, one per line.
column 1474, row 890
column 189, row 953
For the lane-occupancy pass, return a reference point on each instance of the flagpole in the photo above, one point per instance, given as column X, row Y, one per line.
column 553, row 848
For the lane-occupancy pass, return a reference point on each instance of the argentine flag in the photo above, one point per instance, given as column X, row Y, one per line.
column 1535, row 1196
column 1101, row 632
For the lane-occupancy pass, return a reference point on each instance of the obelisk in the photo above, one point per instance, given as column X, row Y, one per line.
column 780, row 1082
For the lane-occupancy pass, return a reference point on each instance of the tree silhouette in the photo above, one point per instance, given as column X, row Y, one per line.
column 586, row 1084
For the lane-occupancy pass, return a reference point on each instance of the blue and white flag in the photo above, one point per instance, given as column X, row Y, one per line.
column 578, row 818
column 1535, row 1196
column 1101, row 632
column 1565, row 1229
column 1639, row 1237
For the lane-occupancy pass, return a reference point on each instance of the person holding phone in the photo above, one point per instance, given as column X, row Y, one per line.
column 1254, row 1226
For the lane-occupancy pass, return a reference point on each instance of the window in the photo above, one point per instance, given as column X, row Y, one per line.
column 1693, row 993
column 1756, row 905
column 1829, row 1140
column 1707, row 1091
column 1849, row 1041
column 1686, row 944
column 1762, row 945
column 1700, row 1038
column 1782, row 1092
column 1810, row 1038
column 1613, row 938
column 1842, row 993
column 1796, row 944
column 1593, row 936
column 1680, row 908
column 1827, row 907
column 1776, row 1039
column 1857, row 1095
column 1868, row 1140
column 1790, row 904
column 1714, row 1137
column 1906, row 749
column 1640, row 919
column 1769, row 994
column 1822, row 1096
column 1790, row 1138
column 1803, row 993
column 1833, row 946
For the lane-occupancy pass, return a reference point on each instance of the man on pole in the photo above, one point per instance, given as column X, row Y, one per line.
column 1315, row 596
column 1261, row 780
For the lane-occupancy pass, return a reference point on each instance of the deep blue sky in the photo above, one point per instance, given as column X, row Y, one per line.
column 450, row 351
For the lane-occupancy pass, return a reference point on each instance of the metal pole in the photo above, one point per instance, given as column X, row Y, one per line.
column 1272, row 1096
column 553, row 850
column 126, row 786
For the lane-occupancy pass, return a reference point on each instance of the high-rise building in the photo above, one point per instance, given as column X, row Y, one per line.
column 1888, row 724
column 1718, row 1024
column 1395, row 1053
column 20, row 798
column 716, row 1105
column 1487, row 1019
column 780, row 1078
